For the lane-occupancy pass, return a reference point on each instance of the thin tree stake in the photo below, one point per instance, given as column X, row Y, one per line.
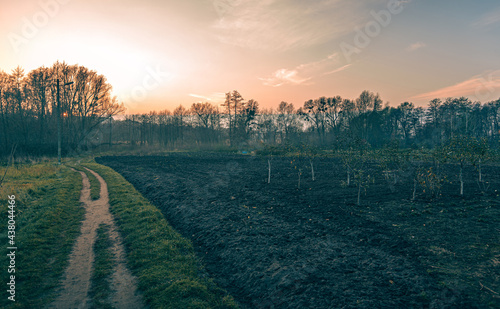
column 11, row 157
column 269, row 177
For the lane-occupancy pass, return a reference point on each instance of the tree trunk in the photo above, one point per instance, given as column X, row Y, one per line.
column 110, row 132
column 359, row 194
column 269, row 176
column 461, row 181
column 299, row 178
column 414, row 189
column 480, row 173
column 312, row 170
column 4, row 123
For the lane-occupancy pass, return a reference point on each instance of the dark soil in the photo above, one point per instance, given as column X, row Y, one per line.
column 277, row 246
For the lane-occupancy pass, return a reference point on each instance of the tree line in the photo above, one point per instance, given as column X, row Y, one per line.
column 323, row 122
column 31, row 103
column 87, row 110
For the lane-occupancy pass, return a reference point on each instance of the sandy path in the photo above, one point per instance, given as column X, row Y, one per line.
column 76, row 285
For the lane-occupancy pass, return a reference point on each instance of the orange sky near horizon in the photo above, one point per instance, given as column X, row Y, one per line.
column 159, row 54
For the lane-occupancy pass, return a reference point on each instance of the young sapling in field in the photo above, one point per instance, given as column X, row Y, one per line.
column 362, row 181
column 355, row 160
column 480, row 153
column 431, row 179
column 391, row 162
column 414, row 195
column 297, row 163
column 413, row 164
column 460, row 150
column 312, row 169
column 11, row 159
column 311, row 152
column 270, row 151
column 353, row 157
column 269, row 174
column 347, row 161
column 407, row 165
column 300, row 174
column 269, row 158
column 298, row 156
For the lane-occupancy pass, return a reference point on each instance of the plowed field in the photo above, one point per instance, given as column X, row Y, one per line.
column 274, row 245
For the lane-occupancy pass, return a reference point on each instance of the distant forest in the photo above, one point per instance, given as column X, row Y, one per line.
column 29, row 108
column 87, row 117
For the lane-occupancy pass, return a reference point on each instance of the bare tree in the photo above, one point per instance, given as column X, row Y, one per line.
column 314, row 112
column 180, row 115
column 206, row 119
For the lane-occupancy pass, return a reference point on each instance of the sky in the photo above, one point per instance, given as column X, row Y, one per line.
column 158, row 54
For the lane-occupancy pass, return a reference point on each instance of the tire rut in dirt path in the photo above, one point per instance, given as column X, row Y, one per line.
column 76, row 285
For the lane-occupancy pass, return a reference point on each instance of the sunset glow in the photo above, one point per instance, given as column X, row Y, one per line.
column 159, row 54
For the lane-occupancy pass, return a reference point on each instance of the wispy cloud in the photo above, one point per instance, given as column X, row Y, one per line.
column 488, row 19
column 281, row 25
column 213, row 97
column 200, row 97
column 415, row 46
column 338, row 70
column 284, row 76
column 480, row 87
column 304, row 73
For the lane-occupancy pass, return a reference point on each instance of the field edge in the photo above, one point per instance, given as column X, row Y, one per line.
column 169, row 273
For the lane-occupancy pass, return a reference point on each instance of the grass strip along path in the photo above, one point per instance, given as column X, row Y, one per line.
column 48, row 215
column 168, row 272
column 100, row 290
column 95, row 185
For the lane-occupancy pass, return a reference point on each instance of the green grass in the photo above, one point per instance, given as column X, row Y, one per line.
column 104, row 261
column 48, row 219
column 163, row 261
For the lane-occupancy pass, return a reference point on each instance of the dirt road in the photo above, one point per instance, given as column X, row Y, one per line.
column 76, row 284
